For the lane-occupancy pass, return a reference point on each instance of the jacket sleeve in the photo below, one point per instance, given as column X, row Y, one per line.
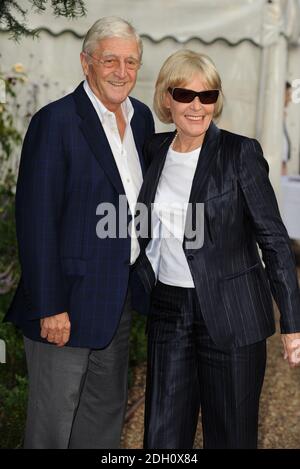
column 39, row 208
column 270, row 233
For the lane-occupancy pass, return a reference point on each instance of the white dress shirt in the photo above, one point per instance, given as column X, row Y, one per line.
column 165, row 251
column 125, row 155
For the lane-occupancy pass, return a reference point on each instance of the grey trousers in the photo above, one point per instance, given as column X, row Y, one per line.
column 77, row 396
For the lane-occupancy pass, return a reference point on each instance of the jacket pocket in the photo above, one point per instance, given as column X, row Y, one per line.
column 241, row 272
column 73, row 266
column 247, row 303
column 226, row 190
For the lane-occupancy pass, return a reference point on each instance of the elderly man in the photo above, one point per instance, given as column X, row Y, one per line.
column 81, row 154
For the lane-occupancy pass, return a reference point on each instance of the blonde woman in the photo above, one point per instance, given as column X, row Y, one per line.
column 211, row 305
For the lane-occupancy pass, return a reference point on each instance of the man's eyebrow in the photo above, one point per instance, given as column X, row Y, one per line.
column 112, row 54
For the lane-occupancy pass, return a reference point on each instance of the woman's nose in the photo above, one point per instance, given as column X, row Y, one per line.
column 196, row 103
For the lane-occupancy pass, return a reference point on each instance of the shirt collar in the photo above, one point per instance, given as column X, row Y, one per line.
column 102, row 111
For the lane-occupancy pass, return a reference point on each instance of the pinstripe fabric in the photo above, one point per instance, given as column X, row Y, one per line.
column 67, row 169
column 233, row 287
column 186, row 369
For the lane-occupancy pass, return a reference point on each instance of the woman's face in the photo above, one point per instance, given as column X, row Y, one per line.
column 191, row 119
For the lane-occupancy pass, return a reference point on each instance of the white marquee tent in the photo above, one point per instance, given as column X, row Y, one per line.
column 254, row 43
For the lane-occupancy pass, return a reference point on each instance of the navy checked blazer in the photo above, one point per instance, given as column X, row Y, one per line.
column 240, row 210
column 66, row 170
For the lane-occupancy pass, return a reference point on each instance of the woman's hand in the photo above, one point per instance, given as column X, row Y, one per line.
column 291, row 348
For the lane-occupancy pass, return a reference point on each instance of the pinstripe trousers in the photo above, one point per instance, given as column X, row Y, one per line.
column 187, row 370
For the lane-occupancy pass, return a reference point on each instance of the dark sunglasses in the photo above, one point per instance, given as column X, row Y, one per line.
column 183, row 95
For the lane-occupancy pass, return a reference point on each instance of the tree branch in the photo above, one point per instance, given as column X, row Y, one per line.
column 18, row 28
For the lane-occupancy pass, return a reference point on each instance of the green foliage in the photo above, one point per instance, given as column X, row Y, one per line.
column 13, row 413
column 13, row 383
column 138, row 342
column 18, row 28
column 13, row 372
column 67, row 8
column 9, row 267
column 10, row 137
column 10, row 140
column 13, row 379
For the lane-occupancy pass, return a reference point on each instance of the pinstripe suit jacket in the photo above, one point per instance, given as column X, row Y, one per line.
column 233, row 287
column 67, row 169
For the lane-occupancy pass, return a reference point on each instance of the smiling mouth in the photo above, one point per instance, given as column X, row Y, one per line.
column 117, row 84
column 195, row 118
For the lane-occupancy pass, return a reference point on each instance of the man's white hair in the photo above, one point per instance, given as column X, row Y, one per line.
column 110, row 26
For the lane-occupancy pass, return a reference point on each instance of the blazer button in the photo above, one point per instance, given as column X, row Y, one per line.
column 190, row 258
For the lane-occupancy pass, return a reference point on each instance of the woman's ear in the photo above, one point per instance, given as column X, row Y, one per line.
column 167, row 100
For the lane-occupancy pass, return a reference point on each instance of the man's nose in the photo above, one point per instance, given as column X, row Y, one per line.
column 121, row 70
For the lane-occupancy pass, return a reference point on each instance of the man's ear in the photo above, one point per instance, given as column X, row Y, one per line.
column 84, row 63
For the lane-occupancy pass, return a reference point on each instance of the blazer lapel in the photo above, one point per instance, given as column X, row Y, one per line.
column 204, row 170
column 205, row 165
column 149, row 187
column 96, row 138
column 155, row 170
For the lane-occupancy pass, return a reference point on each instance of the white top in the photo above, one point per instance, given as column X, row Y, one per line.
column 125, row 155
column 165, row 251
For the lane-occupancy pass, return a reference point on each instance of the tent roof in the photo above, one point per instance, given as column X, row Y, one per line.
column 231, row 20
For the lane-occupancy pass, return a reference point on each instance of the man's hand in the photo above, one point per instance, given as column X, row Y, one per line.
column 56, row 329
column 291, row 346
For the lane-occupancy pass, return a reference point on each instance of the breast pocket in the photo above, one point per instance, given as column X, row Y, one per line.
column 220, row 211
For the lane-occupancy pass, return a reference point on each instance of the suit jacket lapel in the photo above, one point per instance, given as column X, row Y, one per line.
column 205, row 165
column 155, row 170
column 204, row 168
column 96, row 138
column 149, row 188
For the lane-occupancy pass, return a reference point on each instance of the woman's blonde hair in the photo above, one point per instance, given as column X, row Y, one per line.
column 178, row 70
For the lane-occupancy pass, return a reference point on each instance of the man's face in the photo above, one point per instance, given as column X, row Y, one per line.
column 113, row 79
